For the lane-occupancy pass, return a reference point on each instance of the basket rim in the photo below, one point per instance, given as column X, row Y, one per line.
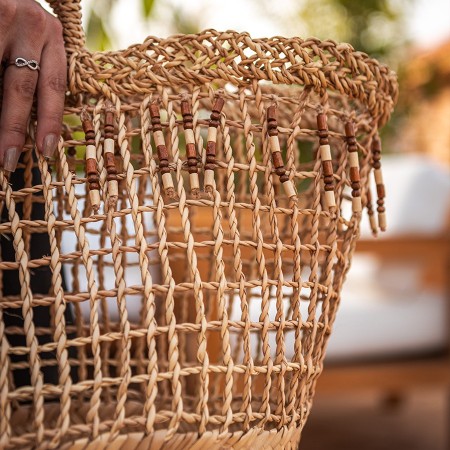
column 236, row 57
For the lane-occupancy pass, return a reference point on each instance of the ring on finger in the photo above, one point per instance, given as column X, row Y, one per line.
column 23, row 62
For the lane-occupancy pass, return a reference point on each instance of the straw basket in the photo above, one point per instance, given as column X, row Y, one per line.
column 170, row 278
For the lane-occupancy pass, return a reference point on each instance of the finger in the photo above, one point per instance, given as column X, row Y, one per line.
column 51, row 90
column 19, row 84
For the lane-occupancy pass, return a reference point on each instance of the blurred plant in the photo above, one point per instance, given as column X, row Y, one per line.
column 376, row 27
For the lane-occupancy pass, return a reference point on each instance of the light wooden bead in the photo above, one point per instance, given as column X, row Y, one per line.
column 113, row 188
column 274, row 144
column 330, row 199
column 108, row 145
column 91, row 152
column 289, row 189
column 94, row 198
column 194, row 181
column 189, row 136
column 382, row 221
column 159, row 138
column 209, row 180
column 353, row 159
column 378, row 175
column 325, row 152
column 168, row 184
column 356, row 204
column 212, row 134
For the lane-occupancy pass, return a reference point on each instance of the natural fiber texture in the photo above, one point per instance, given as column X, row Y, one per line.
column 184, row 313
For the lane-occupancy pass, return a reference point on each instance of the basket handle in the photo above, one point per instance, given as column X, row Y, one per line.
column 69, row 14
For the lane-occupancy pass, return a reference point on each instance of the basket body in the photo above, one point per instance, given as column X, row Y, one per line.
column 182, row 312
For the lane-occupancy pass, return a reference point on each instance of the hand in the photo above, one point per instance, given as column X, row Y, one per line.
column 28, row 31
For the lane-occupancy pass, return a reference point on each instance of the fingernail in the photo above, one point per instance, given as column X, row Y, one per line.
column 11, row 158
column 50, row 144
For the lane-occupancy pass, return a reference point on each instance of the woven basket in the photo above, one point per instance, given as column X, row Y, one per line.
column 177, row 288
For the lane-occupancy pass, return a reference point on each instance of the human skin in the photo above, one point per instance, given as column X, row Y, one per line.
column 28, row 31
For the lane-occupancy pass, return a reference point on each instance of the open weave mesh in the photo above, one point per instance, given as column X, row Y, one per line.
column 190, row 318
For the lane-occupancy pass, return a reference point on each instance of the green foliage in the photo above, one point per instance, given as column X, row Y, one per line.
column 147, row 7
column 97, row 35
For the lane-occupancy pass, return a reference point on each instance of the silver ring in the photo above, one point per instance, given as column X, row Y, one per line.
column 22, row 62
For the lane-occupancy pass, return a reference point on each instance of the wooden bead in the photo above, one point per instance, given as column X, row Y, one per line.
column 91, row 166
column 327, row 168
column 322, row 122
column 278, row 160
column 110, row 164
column 191, row 154
column 328, row 180
column 354, row 174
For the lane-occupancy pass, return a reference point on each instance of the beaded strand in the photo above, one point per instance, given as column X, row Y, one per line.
column 108, row 154
column 355, row 178
column 211, row 144
column 191, row 152
column 161, row 148
column 327, row 161
column 378, row 175
column 277, row 157
column 92, row 175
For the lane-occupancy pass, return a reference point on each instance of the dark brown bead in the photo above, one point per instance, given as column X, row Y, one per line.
column 381, row 209
column 328, row 179
column 376, row 165
column 280, row 171
column 185, row 108
column 190, row 151
column 91, row 166
column 284, row 178
column 154, row 110
column 87, row 126
column 327, row 168
column 381, row 191
column 211, row 148
column 356, row 193
column 354, row 174
column 322, row 122
column 94, row 186
column 349, row 129
column 218, row 105
column 162, row 152
column 376, row 144
column 110, row 164
column 277, row 159
column 329, row 187
column 272, row 113
column 355, row 185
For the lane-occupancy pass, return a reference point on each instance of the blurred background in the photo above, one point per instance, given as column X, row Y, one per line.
column 387, row 373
